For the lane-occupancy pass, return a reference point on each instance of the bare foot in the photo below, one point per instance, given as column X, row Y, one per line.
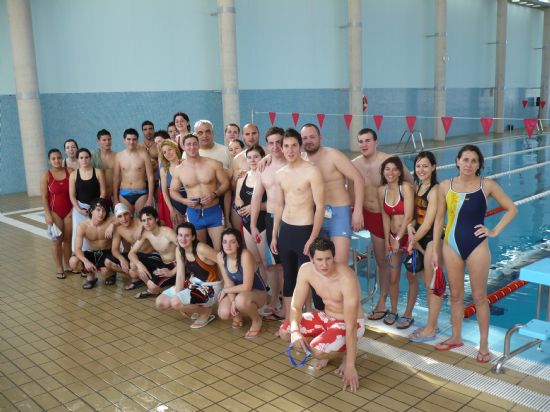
column 321, row 363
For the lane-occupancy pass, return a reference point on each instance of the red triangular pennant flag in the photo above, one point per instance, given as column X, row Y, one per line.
column 411, row 121
column 347, row 119
column 378, row 120
column 524, row 103
column 542, row 104
column 321, row 119
column 486, row 123
column 530, row 125
column 272, row 116
column 365, row 103
column 295, row 117
column 447, row 121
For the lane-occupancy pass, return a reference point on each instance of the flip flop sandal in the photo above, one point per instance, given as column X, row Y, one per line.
column 253, row 334
column 134, row 285
column 484, row 357
column 89, row 284
column 377, row 314
column 61, row 275
column 111, row 280
column 390, row 318
column 145, row 294
column 445, row 345
column 201, row 323
column 237, row 323
column 404, row 322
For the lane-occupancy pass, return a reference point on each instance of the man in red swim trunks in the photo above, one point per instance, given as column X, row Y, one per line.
column 335, row 330
column 369, row 163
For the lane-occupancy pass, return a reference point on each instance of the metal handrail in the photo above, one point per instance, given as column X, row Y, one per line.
column 357, row 256
column 411, row 137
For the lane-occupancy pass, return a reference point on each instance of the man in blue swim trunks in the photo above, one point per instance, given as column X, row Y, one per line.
column 204, row 181
column 336, row 169
column 134, row 179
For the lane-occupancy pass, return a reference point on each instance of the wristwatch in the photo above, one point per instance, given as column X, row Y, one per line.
column 397, row 238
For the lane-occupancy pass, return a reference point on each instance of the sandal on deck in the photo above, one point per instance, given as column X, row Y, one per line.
column 390, row 318
column 253, row 334
column 111, row 280
column 88, row 284
column 61, row 275
column 237, row 323
column 404, row 322
column 145, row 294
column 483, row 357
column 377, row 314
column 134, row 285
column 201, row 323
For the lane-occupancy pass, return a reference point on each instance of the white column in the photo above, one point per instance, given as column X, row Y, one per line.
column 228, row 60
column 545, row 70
column 355, row 27
column 27, row 94
column 440, row 68
column 500, row 66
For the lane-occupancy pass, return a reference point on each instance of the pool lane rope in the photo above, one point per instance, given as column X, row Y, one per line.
column 497, row 295
column 452, row 165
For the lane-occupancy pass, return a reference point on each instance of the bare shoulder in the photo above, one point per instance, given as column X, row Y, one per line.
column 444, row 185
column 489, row 185
column 306, row 270
column 407, row 187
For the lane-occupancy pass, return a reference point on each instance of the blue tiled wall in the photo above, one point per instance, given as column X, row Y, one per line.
column 81, row 115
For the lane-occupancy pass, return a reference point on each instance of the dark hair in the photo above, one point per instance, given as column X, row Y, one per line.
column 184, row 115
column 189, row 136
column 231, row 124
column 314, row 126
column 54, row 150
column 240, row 142
column 237, row 233
column 69, row 141
column 398, row 163
column 472, row 148
column 290, row 132
column 431, row 158
column 103, row 132
column 171, row 124
column 162, row 133
column 83, row 149
column 368, row 130
column 149, row 211
column 274, row 130
column 101, row 203
column 190, row 226
column 321, row 244
column 256, row 148
column 130, row 131
column 147, row 123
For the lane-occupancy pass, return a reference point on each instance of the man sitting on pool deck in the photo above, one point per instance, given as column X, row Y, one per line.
column 94, row 231
column 336, row 329
column 157, row 269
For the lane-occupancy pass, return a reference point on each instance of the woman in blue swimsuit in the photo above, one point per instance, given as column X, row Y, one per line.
column 244, row 289
column 464, row 200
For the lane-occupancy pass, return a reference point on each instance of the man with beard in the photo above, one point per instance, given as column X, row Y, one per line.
column 336, row 169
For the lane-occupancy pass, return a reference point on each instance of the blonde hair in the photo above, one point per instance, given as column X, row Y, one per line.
column 170, row 143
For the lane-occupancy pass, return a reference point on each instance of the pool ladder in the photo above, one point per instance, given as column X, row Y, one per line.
column 371, row 268
column 410, row 138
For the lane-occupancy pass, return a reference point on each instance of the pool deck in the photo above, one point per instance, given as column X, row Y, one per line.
column 64, row 348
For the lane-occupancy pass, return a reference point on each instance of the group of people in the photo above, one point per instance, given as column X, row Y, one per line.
column 232, row 225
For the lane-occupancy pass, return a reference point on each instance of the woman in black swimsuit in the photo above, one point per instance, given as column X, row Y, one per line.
column 243, row 198
column 85, row 184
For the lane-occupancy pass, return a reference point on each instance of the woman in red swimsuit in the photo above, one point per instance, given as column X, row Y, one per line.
column 396, row 199
column 54, row 188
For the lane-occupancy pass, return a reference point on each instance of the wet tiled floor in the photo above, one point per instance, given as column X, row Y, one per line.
column 65, row 348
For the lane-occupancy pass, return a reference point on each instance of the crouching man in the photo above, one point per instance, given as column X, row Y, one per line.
column 335, row 330
column 157, row 269
column 97, row 231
